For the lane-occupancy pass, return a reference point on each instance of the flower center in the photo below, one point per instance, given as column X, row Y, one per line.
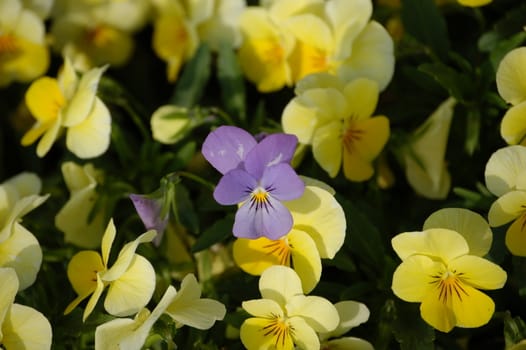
column 8, row 45
column 351, row 135
column 101, row 36
column 279, row 329
column 280, row 249
column 260, row 198
column 270, row 51
column 449, row 285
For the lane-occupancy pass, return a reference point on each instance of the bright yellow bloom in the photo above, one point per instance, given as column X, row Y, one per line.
column 21, row 327
column 285, row 319
column 336, row 120
column 504, row 175
column 131, row 278
column 71, row 104
column 511, row 84
column 425, row 167
column 73, row 218
column 318, row 232
column 23, row 52
column 474, row 3
column 186, row 307
column 19, row 249
column 438, row 272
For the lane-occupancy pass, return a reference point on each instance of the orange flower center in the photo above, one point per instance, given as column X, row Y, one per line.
column 279, row 329
column 280, row 249
column 8, row 45
column 351, row 135
column 449, row 285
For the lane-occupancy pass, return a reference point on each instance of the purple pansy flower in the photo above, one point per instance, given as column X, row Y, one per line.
column 256, row 175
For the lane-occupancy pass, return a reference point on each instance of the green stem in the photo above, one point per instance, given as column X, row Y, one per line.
column 196, row 178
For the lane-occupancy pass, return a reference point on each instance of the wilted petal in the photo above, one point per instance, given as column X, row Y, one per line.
column 504, row 169
column 132, row 290
column 319, row 313
column 187, row 307
column 91, row 137
column 226, row 147
column 272, row 150
column 22, row 252
column 473, row 227
column 279, row 283
column 234, row 187
column 511, row 76
column 412, row 279
column 436, row 242
column 271, row 219
column 26, row 328
column 512, row 127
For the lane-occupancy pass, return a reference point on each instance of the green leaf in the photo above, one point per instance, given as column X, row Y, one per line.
column 219, row 231
column 191, row 84
column 505, row 46
column 410, row 330
column 423, row 20
column 184, row 211
column 472, row 131
column 514, row 329
column 457, row 84
column 232, row 82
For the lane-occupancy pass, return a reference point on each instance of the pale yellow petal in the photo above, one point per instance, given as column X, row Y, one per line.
column 362, row 96
column 132, row 290
column 305, row 259
column 112, row 334
column 516, row 237
column 317, row 81
column 265, row 308
column 279, row 283
column 479, row 272
column 412, row 279
column 320, row 215
column 374, row 133
column 348, row 343
column 254, row 337
column 67, row 78
column 91, row 137
column 49, row 137
column 92, row 302
column 26, row 328
column 304, row 335
column 319, row 313
column 512, row 127
column 255, row 255
column 311, row 29
column 435, row 185
column 327, row 147
column 81, row 103
column 511, row 76
column 474, row 3
column 436, row 313
column 507, row 208
column 436, row 242
column 473, row 311
column 107, row 241
column 504, row 169
column 22, row 252
column 31, row 62
column 14, row 213
column 7, row 292
column 44, row 99
column 168, row 123
column 126, row 255
column 300, row 120
column 472, row 226
column 78, row 177
column 372, row 56
column 352, row 314
column 25, row 183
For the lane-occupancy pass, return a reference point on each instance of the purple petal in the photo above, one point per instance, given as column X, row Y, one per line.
column 226, row 147
column 149, row 210
column 282, row 182
column 234, row 187
column 272, row 150
column 272, row 221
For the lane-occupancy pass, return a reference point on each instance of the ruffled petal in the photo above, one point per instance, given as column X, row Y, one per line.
column 279, row 283
column 132, row 290
column 473, row 227
column 226, row 147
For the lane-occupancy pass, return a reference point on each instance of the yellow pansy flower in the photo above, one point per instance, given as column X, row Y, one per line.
column 286, row 319
column 21, row 327
column 335, row 118
column 131, row 278
column 504, row 175
column 74, row 217
column 318, row 232
column 19, row 249
column 425, row 167
column 186, row 307
column 71, row 104
column 438, row 271
column 24, row 55
column 511, row 85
